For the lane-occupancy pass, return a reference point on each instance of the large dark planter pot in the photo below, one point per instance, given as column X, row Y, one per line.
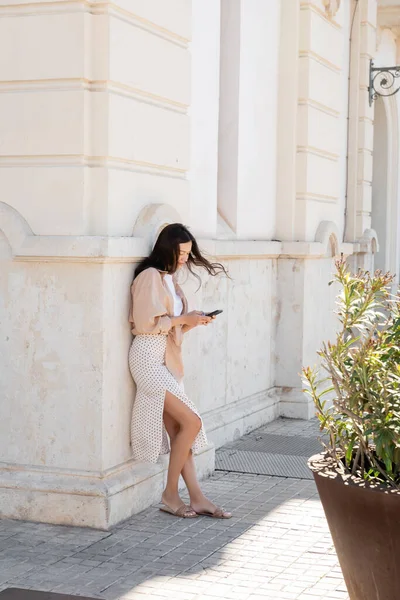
column 365, row 527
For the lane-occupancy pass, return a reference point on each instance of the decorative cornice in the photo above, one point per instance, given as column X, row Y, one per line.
column 28, row 247
column 129, row 250
column 388, row 17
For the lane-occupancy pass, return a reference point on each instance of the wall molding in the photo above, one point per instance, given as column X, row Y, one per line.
column 101, row 501
column 367, row 56
column 306, row 5
column 82, row 160
column 28, row 247
column 371, row 25
column 366, row 119
column 142, row 23
column 320, row 152
column 130, row 250
column 309, row 54
column 100, row 86
column 318, row 106
column 324, row 198
column 365, row 151
column 94, row 8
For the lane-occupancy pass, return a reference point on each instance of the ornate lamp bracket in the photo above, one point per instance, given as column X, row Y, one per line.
column 383, row 81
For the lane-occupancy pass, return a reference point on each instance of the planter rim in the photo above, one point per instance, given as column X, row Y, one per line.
column 323, row 465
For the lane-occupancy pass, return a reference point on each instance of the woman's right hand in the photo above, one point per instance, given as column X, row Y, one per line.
column 195, row 318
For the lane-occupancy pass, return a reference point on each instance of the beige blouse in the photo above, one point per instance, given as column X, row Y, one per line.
column 151, row 310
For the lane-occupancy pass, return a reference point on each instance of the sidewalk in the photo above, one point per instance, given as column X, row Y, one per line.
column 276, row 546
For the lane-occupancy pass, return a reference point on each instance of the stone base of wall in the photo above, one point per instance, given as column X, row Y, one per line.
column 226, row 424
column 248, row 414
column 87, row 501
column 295, row 404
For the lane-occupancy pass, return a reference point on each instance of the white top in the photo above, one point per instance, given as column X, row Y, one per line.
column 178, row 304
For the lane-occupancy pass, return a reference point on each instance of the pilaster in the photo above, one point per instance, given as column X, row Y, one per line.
column 361, row 115
column 248, row 116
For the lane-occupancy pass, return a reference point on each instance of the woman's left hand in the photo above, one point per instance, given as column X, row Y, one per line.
column 200, row 321
column 210, row 319
column 195, row 318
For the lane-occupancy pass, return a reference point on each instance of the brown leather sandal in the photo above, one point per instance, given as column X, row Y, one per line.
column 219, row 513
column 183, row 511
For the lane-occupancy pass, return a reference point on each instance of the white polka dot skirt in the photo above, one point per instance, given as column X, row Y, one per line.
column 149, row 438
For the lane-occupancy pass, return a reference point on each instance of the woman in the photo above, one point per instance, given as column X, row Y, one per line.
column 159, row 319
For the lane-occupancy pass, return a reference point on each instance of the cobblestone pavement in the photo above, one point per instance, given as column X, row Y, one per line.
column 277, row 546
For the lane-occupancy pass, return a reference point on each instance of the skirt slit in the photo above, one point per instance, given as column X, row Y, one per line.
column 149, row 438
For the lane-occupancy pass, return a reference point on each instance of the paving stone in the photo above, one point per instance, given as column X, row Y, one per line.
column 277, row 545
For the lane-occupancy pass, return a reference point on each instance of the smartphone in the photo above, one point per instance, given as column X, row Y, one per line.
column 214, row 314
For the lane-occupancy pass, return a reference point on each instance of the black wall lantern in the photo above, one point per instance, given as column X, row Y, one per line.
column 383, row 81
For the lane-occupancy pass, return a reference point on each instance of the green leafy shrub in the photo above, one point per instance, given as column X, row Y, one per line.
column 358, row 402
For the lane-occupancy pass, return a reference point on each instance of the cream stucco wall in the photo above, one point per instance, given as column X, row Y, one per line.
column 236, row 117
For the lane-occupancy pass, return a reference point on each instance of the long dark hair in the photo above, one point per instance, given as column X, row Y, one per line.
column 165, row 253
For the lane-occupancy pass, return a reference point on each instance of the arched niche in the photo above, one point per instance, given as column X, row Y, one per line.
column 5, row 248
column 152, row 219
column 13, row 226
column 328, row 235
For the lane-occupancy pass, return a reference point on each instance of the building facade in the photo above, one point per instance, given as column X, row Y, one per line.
column 249, row 121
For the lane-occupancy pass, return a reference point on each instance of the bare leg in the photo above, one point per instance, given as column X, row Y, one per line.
column 189, row 425
column 198, row 501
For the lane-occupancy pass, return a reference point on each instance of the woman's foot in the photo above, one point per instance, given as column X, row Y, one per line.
column 205, row 507
column 175, row 505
